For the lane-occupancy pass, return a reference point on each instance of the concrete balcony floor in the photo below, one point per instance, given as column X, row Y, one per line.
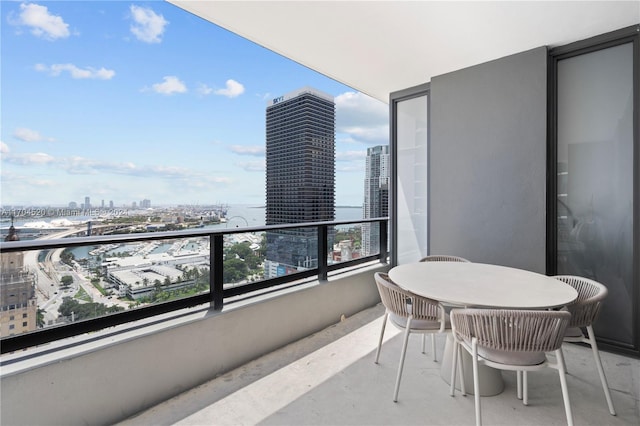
column 330, row 378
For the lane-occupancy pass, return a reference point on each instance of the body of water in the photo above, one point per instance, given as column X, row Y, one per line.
column 238, row 216
column 246, row 215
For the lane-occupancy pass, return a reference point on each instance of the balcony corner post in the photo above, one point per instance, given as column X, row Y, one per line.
column 384, row 228
column 216, row 277
column 323, row 252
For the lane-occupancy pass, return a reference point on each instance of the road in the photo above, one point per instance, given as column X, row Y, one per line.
column 49, row 273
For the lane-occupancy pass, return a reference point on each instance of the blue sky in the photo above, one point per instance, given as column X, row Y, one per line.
column 127, row 101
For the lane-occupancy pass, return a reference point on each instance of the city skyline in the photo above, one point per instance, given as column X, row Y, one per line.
column 126, row 102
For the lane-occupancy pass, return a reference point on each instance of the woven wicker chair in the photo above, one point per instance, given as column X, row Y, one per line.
column 584, row 312
column 442, row 258
column 510, row 340
column 437, row 258
column 410, row 313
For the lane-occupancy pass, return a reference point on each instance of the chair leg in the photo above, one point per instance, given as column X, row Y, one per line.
column 563, row 385
column 384, row 323
column 433, row 346
column 463, row 386
column 402, row 356
column 603, row 379
column 476, row 385
column 525, row 388
column 561, row 355
column 454, row 367
column 519, row 384
column 424, row 344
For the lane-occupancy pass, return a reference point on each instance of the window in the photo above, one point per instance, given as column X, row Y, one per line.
column 410, row 186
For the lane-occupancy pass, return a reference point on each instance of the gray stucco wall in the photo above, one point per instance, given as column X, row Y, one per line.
column 488, row 161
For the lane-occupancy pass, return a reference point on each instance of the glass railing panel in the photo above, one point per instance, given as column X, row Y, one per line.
column 120, row 278
column 49, row 287
column 159, row 271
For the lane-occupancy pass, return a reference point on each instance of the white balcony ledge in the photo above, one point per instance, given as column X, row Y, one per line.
column 329, row 378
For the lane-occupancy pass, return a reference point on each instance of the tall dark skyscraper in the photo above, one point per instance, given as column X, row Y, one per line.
column 376, row 196
column 300, row 185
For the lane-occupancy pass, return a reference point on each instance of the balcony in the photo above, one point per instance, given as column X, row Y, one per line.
column 329, row 378
column 270, row 362
column 304, row 354
column 199, row 336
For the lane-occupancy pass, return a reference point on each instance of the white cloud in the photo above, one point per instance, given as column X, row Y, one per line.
column 350, row 167
column 377, row 135
column 77, row 73
column 27, row 135
column 204, row 90
column 232, row 89
column 4, row 148
column 256, row 150
column 147, row 25
column 42, row 23
column 362, row 118
column 29, row 159
column 170, row 85
column 252, row 166
column 351, row 155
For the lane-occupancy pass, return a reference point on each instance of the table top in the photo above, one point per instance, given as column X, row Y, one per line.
column 482, row 285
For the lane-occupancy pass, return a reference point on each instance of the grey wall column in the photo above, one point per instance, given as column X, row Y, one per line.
column 488, row 161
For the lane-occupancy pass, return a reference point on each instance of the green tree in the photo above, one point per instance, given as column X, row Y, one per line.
column 67, row 257
column 40, row 318
column 244, row 252
column 85, row 310
column 234, row 270
column 66, row 281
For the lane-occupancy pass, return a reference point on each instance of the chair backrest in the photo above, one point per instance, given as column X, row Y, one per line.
column 585, row 309
column 511, row 329
column 404, row 303
column 443, row 258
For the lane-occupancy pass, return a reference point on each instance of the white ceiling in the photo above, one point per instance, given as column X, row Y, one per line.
column 378, row 47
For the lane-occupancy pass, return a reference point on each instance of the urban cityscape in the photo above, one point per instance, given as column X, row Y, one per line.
column 44, row 288
column 177, row 146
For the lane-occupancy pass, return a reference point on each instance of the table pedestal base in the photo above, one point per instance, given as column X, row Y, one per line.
column 491, row 382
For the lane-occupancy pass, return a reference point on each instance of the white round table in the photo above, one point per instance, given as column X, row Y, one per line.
column 481, row 285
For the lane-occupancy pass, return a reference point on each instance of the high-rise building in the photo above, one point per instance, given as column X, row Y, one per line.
column 87, row 203
column 300, row 178
column 376, row 196
column 18, row 304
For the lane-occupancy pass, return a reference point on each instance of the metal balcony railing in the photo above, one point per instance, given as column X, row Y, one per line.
column 215, row 296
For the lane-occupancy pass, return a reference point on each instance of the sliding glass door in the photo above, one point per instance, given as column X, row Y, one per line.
column 596, row 178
